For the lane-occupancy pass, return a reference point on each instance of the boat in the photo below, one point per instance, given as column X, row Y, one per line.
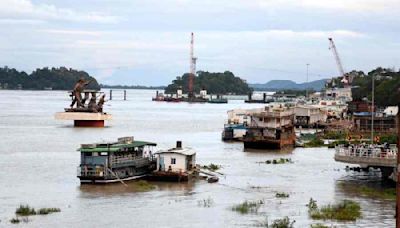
column 212, row 179
column 270, row 128
column 218, row 100
column 235, row 128
column 109, row 162
column 176, row 164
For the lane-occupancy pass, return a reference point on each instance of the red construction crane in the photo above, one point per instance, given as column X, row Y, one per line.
column 346, row 80
column 192, row 67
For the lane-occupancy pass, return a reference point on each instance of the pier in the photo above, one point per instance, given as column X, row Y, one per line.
column 383, row 158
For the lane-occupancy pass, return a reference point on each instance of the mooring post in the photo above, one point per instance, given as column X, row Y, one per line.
column 110, row 94
column 124, row 95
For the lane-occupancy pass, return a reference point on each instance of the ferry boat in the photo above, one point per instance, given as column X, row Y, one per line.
column 109, row 162
column 271, row 128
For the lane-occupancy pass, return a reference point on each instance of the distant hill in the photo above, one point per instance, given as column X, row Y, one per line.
column 274, row 85
column 45, row 78
column 214, row 83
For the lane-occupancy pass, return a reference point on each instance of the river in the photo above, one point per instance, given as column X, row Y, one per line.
column 38, row 164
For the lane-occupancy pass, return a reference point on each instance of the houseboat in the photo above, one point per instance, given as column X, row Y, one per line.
column 177, row 164
column 235, row 128
column 271, row 128
column 126, row 159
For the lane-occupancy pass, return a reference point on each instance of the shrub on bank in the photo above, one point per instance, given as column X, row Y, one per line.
column 347, row 210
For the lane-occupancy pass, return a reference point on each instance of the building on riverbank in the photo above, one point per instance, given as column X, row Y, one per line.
column 309, row 116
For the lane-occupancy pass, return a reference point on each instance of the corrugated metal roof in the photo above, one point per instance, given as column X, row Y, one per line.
column 115, row 147
column 183, row 151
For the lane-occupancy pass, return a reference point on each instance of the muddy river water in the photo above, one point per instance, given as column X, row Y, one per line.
column 38, row 161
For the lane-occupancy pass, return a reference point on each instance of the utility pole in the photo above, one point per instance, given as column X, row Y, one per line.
column 398, row 167
column 373, row 109
column 307, row 81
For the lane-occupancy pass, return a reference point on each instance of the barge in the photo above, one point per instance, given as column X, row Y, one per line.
column 109, row 162
column 271, row 128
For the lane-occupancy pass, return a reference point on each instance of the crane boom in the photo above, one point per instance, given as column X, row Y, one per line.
column 332, row 47
column 336, row 55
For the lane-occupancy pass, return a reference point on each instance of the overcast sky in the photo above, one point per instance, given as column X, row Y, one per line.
column 146, row 42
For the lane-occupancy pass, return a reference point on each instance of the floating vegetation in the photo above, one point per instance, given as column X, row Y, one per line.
column 143, row 185
column 212, row 167
column 15, row 220
column 45, row 211
column 282, row 195
column 205, row 202
column 347, row 210
column 278, row 223
column 248, row 207
column 277, row 161
column 25, row 210
column 318, row 225
column 316, row 142
column 387, row 193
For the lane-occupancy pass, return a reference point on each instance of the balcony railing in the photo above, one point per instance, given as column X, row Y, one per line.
column 367, row 152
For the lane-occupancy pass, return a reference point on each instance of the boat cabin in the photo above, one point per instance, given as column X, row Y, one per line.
column 108, row 161
column 176, row 159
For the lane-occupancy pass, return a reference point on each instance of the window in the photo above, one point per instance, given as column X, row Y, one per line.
column 173, row 161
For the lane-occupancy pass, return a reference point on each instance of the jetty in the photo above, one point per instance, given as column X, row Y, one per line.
column 375, row 156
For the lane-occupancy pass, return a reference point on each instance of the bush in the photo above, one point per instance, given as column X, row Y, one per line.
column 315, row 143
column 212, row 167
column 45, row 211
column 282, row 223
column 25, row 210
column 248, row 207
column 15, row 220
column 281, row 195
column 346, row 210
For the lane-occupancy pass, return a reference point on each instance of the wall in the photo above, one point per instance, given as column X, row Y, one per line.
column 180, row 165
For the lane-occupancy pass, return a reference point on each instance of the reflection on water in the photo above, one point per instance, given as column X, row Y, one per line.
column 131, row 187
column 38, row 161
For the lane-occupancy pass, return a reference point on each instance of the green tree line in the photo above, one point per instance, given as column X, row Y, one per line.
column 214, row 83
column 387, row 85
column 55, row 78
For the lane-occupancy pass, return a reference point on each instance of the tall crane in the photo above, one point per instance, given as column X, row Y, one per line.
column 346, row 80
column 192, row 67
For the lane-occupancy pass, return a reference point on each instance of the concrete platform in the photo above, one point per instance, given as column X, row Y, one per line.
column 84, row 119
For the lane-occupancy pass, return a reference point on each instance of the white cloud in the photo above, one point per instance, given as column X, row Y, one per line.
column 353, row 5
column 26, row 10
column 73, row 32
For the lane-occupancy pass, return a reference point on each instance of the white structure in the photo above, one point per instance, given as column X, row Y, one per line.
column 272, row 116
column 333, row 108
column 179, row 93
column 391, row 110
column 176, row 159
column 339, row 93
column 203, row 93
column 307, row 115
